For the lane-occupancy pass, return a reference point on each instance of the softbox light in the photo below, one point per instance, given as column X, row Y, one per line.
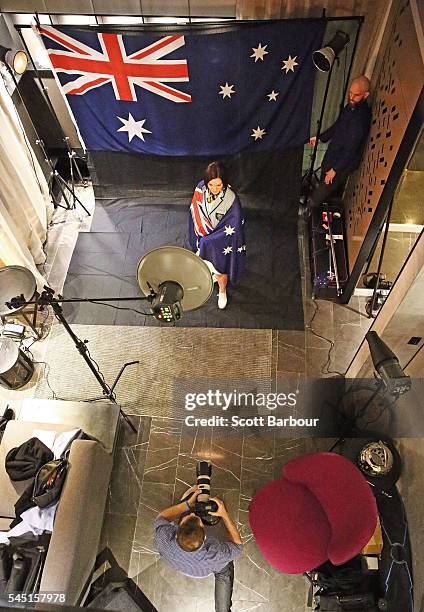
column 324, row 58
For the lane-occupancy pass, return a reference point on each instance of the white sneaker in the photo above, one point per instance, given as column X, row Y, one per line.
column 222, row 300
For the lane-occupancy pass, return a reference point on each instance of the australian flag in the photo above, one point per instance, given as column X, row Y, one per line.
column 208, row 91
column 223, row 246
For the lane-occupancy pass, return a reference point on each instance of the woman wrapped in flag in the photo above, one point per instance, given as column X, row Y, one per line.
column 216, row 229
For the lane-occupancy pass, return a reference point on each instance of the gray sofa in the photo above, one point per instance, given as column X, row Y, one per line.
column 78, row 523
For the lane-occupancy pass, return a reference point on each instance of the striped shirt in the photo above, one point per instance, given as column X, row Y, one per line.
column 210, row 558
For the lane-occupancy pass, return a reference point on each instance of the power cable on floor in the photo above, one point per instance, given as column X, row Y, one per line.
column 54, row 395
column 146, row 314
column 324, row 369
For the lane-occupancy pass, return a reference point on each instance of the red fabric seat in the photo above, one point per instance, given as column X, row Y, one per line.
column 321, row 509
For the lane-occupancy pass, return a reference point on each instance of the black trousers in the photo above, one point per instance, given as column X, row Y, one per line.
column 322, row 192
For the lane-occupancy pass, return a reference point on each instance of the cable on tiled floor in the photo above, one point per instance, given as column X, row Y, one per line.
column 46, row 373
column 324, row 369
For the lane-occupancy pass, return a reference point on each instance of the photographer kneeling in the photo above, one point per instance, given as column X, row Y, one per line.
column 187, row 549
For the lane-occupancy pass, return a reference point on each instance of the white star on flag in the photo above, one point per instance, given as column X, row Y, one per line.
column 258, row 133
column 226, row 91
column 239, row 250
column 133, row 127
column 229, row 230
column 227, row 250
column 289, row 63
column 259, row 52
column 242, row 221
column 273, row 95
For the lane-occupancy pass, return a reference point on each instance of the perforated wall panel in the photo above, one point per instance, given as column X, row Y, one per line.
column 395, row 93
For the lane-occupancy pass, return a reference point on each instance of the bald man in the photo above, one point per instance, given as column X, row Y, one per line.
column 346, row 139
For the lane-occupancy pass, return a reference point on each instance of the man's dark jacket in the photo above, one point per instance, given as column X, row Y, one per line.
column 347, row 138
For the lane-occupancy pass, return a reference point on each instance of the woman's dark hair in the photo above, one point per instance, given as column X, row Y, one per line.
column 215, row 170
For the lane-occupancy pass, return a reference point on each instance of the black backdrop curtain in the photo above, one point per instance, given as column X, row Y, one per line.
column 266, row 181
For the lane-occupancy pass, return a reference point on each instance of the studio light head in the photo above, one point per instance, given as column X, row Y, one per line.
column 176, row 279
column 324, row 58
column 14, row 59
column 387, row 365
column 166, row 304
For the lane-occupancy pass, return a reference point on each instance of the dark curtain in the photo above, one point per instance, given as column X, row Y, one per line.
column 266, row 181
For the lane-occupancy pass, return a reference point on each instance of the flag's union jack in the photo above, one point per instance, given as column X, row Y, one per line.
column 144, row 68
column 201, row 222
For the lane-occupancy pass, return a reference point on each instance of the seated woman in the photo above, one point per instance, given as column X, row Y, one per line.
column 216, row 228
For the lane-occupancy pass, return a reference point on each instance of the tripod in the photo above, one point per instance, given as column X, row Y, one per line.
column 47, row 298
column 61, row 183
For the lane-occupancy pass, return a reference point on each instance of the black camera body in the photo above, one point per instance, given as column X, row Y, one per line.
column 203, row 503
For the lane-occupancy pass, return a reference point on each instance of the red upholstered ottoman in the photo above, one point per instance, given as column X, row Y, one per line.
column 321, row 509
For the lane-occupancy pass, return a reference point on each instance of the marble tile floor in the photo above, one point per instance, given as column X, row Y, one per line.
column 151, row 471
column 152, row 468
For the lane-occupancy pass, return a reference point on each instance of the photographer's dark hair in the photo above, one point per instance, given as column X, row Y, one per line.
column 190, row 535
column 215, row 170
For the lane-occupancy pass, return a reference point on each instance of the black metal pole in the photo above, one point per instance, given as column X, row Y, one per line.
column 355, row 44
column 380, row 259
column 314, row 153
column 82, row 349
column 45, row 299
column 371, row 255
column 61, row 300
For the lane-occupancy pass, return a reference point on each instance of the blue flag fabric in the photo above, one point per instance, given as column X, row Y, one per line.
column 224, row 246
column 246, row 88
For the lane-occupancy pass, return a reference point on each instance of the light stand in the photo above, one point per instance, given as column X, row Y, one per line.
column 172, row 279
column 311, row 170
column 47, row 298
column 73, row 166
column 324, row 60
column 61, row 183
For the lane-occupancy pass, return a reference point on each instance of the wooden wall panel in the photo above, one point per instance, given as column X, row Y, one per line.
column 396, row 86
